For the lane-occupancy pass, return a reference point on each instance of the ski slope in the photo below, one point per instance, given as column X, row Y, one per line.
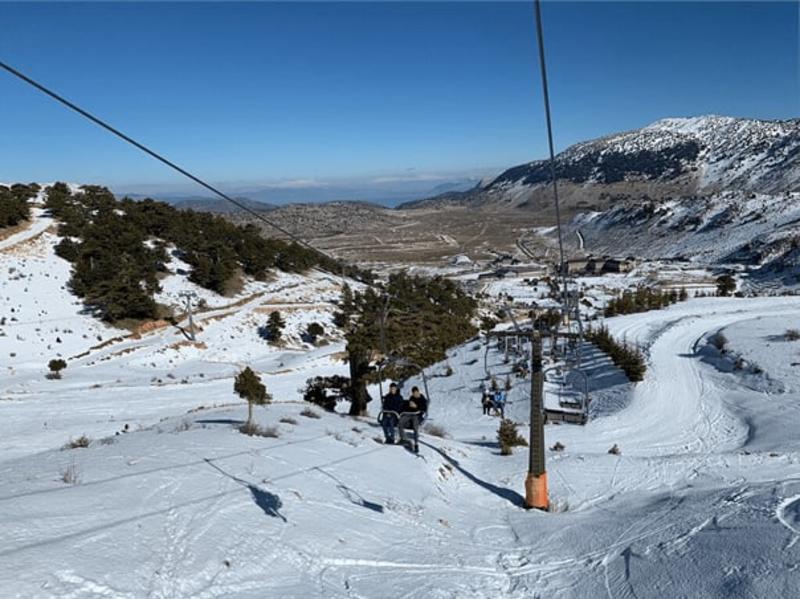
column 704, row 500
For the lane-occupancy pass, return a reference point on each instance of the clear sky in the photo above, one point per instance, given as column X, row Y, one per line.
column 299, row 91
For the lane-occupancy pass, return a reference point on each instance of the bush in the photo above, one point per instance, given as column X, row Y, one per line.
column 81, row 442
column 726, row 285
column 615, row 450
column 253, row 430
column 314, row 331
column 719, row 341
column 326, row 391
column 287, row 420
column 791, row 335
column 558, row 446
column 14, row 207
column 56, row 366
column 309, row 413
column 71, row 475
column 509, row 437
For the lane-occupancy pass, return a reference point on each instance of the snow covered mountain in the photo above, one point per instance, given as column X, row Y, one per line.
column 754, row 230
column 712, row 152
column 672, row 157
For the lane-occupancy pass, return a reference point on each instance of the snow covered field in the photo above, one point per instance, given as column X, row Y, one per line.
column 704, row 500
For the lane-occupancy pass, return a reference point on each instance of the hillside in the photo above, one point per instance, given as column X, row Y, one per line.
column 698, row 503
column 670, row 158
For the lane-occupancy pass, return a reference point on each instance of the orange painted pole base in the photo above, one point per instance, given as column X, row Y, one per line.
column 536, row 492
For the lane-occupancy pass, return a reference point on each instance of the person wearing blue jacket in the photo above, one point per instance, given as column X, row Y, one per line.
column 500, row 402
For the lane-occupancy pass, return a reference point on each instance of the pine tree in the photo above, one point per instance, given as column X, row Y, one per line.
column 249, row 387
column 314, row 330
column 726, row 285
column 413, row 318
column 56, row 366
column 509, row 437
column 275, row 325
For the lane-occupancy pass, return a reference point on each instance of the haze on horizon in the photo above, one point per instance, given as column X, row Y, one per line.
column 368, row 100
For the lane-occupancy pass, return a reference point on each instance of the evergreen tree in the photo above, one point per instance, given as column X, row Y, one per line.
column 56, row 366
column 509, row 437
column 275, row 325
column 413, row 318
column 726, row 285
column 314, row 330
column 249, row 387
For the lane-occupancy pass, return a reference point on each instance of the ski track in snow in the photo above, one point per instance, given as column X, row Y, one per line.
column 188, row 507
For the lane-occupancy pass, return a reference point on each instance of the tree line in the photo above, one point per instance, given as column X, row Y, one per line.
column 644, row 299
column 629, row 359
column 118, row 249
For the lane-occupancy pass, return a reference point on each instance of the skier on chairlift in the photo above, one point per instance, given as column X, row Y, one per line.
column 500, row 403
column 415, row 409
column 486, row 400
column 392, row 405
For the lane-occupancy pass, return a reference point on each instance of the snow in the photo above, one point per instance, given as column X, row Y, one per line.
column 704, row 500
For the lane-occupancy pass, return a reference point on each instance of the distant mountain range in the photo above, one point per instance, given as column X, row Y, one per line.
column 385, row 192
column 673, row 157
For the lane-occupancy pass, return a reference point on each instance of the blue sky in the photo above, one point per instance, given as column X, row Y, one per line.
column 299, row 92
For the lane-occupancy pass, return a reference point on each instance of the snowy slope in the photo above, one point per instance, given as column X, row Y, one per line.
column 754, row 230
column 715, row 152
column 41, row 320
column 704, row 500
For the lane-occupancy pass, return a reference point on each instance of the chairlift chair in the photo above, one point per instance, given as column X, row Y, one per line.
column 405, row 420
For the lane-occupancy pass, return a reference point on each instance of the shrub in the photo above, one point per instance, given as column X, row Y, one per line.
column 726, row 285
column 184, row 425
column 56, row 366
column 557, row 447
column 71, row 475
column 309, row 413
column 81, row 442
column 434, row 430
column 791, row 335
column 509, row 437
column 287, row 420
column 253, row 430
column 270, row 431
column 719, row 341
column 614, row 450
column 314, row 331
column 326, row 391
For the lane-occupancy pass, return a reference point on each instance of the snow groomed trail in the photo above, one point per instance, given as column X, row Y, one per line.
column 703, row 501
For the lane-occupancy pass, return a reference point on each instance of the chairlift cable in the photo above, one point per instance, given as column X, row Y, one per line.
column 86, row 114
column 552, row 160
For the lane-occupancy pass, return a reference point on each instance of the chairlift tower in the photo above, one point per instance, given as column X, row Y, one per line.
column 188, row 298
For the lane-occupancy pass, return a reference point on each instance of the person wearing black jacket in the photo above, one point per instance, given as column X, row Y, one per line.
column 414, row 412
column 392, row 405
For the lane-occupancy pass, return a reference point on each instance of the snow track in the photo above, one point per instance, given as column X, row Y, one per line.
column 704, row 500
